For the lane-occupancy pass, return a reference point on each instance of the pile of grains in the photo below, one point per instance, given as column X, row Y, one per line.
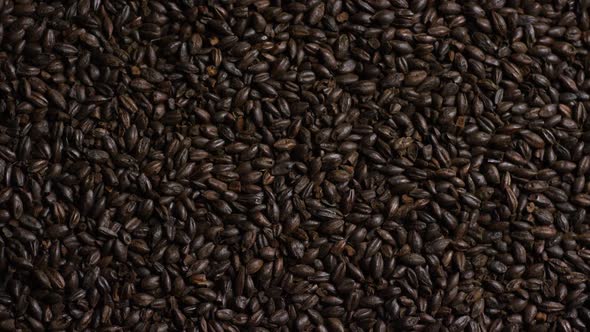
column 276, row 165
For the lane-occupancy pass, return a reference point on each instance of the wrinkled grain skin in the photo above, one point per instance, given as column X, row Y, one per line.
column 312, row 165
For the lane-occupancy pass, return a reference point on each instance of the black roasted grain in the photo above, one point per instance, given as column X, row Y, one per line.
column 338, row 165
